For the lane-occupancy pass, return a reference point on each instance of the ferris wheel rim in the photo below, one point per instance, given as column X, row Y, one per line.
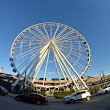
column 20, row 35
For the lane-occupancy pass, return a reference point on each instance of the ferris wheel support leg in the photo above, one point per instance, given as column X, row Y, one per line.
column 37, row 69
column 39, row 65
column 42, row 52
column 72, row 67
column 67, row 68
column 21, row 75
column 57, row 71
column 32, row 73
column 46, row 66
column 40, row 59
column 61, row 67
column 14, row 84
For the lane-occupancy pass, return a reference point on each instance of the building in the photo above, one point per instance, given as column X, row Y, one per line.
column 1, row 70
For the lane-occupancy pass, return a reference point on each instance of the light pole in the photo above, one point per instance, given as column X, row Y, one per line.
column 24, row 82
column 103, row 77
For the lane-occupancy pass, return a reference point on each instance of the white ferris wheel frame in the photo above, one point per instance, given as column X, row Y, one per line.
column 40, row 50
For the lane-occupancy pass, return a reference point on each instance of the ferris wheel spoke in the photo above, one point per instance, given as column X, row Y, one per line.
column 36, row 54
column 38, row 43
column 61, row 32
column 67, row 38
column 42, row 52
column 66, row 46
column 50, row 31
column 43, row 35
column 67, row 42
column 21, row 75
column 75, row 62
column 75, row 53
column 38, row 36
column 38, row 66
column 33, row 56
column 27, row 37
column 28, row 61
column 79, row 48
column 64, row 35
column 37, row 47
column 24, row 42
column 46, row 31
column 56, row 31
column 24, row 47
column 64, row 40
column 27, row 52
column 23, row 55
column 66, row 49
column 83, row 49
column 80, row 55
column 24, row 64
column 47, row 61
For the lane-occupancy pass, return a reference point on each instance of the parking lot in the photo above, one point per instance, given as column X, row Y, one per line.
column 96, row 103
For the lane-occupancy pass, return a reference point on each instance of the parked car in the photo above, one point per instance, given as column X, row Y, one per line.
column 104, row 90
column 32, row 98
column 3, row 91
column 79, row 95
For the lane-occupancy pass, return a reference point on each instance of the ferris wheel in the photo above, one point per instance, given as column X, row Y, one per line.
column 47, row 51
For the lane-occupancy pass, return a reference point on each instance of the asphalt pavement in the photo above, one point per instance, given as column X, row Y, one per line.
column 101, row 102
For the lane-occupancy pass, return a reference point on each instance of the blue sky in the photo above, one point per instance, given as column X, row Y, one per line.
column 90, row 17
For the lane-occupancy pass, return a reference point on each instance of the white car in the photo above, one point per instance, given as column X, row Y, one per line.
column 79, row 95
column 104, row 90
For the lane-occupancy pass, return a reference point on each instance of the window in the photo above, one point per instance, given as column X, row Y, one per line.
column 80, row 92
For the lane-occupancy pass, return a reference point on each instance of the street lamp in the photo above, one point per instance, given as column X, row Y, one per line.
column 103, row 77
column 24, row 81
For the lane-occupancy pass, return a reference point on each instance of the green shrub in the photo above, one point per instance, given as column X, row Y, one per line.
column 94, row 89
column 62, row 94
column 16, row 92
